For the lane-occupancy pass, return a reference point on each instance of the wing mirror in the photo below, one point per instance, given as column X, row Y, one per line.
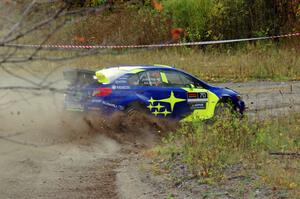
column 191, row 86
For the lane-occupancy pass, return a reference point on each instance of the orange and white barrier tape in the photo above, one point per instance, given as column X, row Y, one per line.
column 50, row 46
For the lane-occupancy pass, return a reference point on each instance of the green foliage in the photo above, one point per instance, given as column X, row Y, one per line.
column 207, row 19
column 209, row 149
column 226, row 19
column 97, row 2
column 126, row 26
column 253, row 62
column 191, row 15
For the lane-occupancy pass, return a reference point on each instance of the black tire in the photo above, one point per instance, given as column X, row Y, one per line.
column 135, row 110
column 224, row 109
column 141, row 117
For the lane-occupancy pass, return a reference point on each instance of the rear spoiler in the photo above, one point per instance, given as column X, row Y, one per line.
column 101, row 77
column 78, row 75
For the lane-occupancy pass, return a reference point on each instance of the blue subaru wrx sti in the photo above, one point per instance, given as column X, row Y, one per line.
column 159, row 90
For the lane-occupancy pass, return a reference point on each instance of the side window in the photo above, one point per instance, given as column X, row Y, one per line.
column 177, row 79
column 147, row 78
column 155, row 78
column 144, row 79
column 141, row 79
column 133, row 80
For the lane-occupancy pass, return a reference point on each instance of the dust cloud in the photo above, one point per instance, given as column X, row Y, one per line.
column 40, row 114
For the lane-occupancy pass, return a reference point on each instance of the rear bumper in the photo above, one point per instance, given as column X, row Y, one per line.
column 72, row 105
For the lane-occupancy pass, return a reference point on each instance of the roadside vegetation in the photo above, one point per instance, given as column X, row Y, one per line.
column 254, row 62
column 264, row 152
column 148, row 22
column 152, row 21
column 251, row 63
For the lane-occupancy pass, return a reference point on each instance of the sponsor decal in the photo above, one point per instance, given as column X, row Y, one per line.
column 197, row 100
column 109, row 104
column 195, row 95
column 97, row 100
column 114, row 87
column 157, row 108
column 198, row 106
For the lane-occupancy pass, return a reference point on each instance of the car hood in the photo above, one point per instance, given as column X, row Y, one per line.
column 221, row 92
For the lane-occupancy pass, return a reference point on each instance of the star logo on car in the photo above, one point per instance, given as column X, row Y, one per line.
column 150, row 106
column 172, row 100
column 166, row 112
column 158, row 106
column 155, row 112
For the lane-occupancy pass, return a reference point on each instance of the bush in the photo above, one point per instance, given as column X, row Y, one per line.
column 136, row 22
column 209, row 149
column 97, row 2
column 227, row 19
column 121, row 27
column 192, row 15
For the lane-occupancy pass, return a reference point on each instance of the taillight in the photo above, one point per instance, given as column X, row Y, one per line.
column 102, row 91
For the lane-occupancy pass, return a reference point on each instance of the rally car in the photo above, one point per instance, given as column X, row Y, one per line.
column 158, row 90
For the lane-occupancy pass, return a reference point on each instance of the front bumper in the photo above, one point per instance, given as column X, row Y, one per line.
column 240, row 106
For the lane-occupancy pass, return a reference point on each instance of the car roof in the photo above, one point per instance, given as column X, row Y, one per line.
column 133, row 67
column 119, row 70
column 114, row 72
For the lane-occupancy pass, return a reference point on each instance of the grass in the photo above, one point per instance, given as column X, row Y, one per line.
column 249, row 63
column 211, row 152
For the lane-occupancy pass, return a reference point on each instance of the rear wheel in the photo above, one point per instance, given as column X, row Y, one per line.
column 134, row 110
column 135, row 114
column 140, row 117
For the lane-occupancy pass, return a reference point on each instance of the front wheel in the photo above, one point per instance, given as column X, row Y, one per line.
column 226, row 109
column 222, row 109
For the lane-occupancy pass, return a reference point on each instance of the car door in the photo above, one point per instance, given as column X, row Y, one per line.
column 159, row 99
column 200, row 102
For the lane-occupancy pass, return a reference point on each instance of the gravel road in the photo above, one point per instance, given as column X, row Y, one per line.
column 45, row 153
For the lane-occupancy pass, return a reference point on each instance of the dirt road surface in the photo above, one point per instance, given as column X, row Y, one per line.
column 46, row 153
